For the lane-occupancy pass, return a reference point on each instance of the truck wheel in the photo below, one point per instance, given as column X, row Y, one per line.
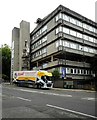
column 38, row 86
column 18, row 84
column 34, row 86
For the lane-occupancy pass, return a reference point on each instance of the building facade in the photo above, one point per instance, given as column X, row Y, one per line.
column 20, row 47
column 66, row 41
column 15, row 50
column 24, row 45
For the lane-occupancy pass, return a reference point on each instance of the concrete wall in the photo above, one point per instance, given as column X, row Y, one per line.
column 15, row 50
column 51, row 48
column 24, row 35
column 15, row 42
column 51, row 24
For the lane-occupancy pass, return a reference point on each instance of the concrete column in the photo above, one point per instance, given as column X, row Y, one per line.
column 52, row 58
column 37, row 64
column 15, row 51
column 24, row 36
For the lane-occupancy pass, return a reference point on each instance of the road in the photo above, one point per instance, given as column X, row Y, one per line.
column 20, row 102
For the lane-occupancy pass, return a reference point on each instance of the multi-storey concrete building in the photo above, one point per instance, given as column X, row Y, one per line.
column 15, row 50
column 67, row 41
column 24, row 45
column 20, row 47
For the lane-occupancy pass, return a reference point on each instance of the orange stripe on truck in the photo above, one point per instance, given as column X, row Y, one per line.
column 27, row 78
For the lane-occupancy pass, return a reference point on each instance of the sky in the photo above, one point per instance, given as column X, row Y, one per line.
column 12, row 12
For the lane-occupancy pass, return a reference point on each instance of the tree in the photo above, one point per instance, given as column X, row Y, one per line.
column 56, row 74
column 6, row 61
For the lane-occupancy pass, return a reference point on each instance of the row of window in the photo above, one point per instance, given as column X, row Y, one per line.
column 39, row 53
column 39, row 32
column 78, row 71
column 39, row 42
column 75, row 33
column 74, row 71
column 75, row 46
column 75, row 21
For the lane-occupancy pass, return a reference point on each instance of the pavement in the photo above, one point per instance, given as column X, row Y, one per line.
column 74, row 90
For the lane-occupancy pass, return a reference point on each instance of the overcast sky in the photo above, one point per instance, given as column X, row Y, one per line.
column 12, row 12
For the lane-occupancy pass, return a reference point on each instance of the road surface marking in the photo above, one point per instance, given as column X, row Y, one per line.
column 68, row 110
column 47, row 93
column 23, row 99
column 89, row 98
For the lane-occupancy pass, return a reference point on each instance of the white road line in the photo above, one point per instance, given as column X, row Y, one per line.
column 89, row 98
column 23, row 99
column 47, row 93
column 68, row 110
column 55, row 94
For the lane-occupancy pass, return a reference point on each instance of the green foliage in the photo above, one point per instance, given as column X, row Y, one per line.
column 56, row 74
column 6, row 61
column 5, row 77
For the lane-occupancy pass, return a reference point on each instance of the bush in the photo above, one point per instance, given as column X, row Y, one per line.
column 5, row 77
column 56, row 74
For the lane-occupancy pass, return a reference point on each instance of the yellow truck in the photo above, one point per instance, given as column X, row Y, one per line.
column 39, row 79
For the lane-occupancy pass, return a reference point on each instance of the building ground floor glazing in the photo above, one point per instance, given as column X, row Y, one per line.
column 75, row 70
